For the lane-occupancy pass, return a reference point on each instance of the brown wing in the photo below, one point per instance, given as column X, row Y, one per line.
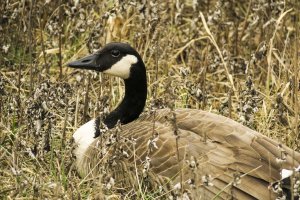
column 211, row 156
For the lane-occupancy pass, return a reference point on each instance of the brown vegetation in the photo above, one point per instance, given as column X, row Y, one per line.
column 235, row 58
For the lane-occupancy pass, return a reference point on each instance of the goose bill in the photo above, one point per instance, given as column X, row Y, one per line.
column 88, row 62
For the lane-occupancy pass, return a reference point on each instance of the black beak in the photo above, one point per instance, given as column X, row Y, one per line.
column 88, row 62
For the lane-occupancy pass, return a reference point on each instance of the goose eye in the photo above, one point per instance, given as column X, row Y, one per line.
column 115, row 53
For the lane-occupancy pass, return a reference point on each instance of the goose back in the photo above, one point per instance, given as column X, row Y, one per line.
column 208, row 155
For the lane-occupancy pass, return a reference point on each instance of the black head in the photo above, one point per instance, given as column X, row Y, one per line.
column 115, row 58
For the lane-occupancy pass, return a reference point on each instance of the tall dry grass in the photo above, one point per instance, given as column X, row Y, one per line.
column 235, row 58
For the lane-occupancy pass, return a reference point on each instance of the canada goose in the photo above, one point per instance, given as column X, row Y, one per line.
column 210, row 156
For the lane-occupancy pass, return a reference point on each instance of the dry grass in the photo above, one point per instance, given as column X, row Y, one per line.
column 236, row 58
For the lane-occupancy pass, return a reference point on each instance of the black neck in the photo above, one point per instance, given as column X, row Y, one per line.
column 134, row 100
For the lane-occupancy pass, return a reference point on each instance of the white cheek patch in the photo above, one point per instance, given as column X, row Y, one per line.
column 122, row 67
column 84, row 137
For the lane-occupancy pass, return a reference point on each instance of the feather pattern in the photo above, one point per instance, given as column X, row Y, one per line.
column 186, row 152
column 208, row 146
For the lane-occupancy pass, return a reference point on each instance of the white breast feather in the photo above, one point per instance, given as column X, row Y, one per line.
column 84, row 137
column 122, row 67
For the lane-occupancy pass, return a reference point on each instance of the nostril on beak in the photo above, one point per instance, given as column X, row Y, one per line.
column 85, row 61
column 88, row 62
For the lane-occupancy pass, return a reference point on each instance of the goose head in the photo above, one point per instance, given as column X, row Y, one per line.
column 120, row 60
column 117, row 59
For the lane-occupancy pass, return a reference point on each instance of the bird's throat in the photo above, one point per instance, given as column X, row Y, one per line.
column 133, row 102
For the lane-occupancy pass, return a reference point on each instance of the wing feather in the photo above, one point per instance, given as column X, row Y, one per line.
column 207, row 145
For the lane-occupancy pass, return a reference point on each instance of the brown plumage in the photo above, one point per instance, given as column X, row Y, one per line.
column 183, row 152
column 209, row 146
